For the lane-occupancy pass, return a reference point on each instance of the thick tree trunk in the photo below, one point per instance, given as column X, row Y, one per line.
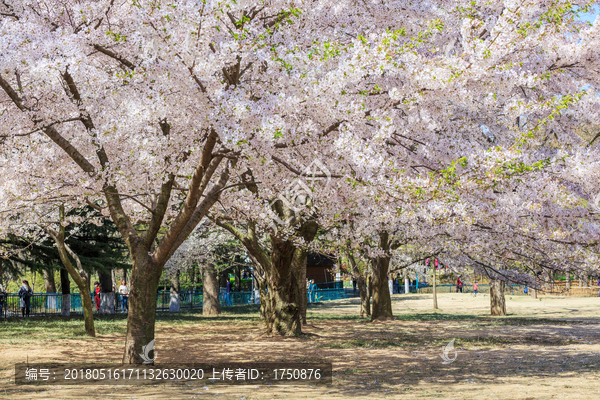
column 107, row 294
column 144, row 279
column 365, row 299
column 49, row 281
column 568, row 280
column 533, row 293
column 497, row 300
column 174, row 303
column 435, row 304
column 382, row 301
column 65, row 285
column 210, row 291
column 302, row 284
column 284, row 289
column 265, row 308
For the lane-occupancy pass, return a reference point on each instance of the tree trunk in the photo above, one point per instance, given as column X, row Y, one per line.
column 81, row 277
column 265, row 309
column 113, row 278
column 568, row 280
column 144, row 278
column 382, row 301
column 193, row 276
column 107, row 295
column 65, row 285
column 303, row 290
column 435, row 304
column 365, row 299
column 497, row 300
column 174, row 303
column 49, row 281
column 284, row 293
column 533, row 293
column 237, row 286
column 210, row 291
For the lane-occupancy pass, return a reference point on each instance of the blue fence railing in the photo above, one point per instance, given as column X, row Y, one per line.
column 51, row 303
column 512, row 289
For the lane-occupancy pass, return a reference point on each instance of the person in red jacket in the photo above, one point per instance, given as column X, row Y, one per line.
column 459, row 285
column 97, row 295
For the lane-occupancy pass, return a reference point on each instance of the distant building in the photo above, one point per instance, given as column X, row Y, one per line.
column 318, row 268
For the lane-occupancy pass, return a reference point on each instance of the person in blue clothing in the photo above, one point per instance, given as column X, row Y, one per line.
column 313, row 291
column 228, row 293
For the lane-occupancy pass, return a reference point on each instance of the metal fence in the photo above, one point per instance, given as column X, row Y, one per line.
column 508, row 289
column 189, row 300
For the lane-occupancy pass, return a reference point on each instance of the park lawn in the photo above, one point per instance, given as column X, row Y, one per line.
column 544, row 349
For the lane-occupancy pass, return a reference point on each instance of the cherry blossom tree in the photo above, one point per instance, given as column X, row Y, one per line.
column 155, row 112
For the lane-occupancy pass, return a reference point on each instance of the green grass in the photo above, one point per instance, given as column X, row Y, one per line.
column 17, row 329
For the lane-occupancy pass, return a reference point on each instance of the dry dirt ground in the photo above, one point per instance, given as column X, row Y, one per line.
column 547, row 348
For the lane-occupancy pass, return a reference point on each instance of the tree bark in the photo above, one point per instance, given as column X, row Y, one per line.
column 210, row 291
column 568, row 280
column 302, row 284
column 144, row 278
column 435, row 304
column 107, row 295
column 65, row 285
column 497, row 299
column 49, row 282
column 533, row 293
column 174, row 303
column 365, row 299
column 81, row 278
column 284, row 290
column 382, row 301
column 83, row 283
column 265, row 309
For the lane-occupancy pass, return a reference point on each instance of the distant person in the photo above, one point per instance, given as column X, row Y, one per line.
column 124, row 292
column 228, row 293
column 598, row 286
column 459, row 285
column 97, row 295
column 353, row 285
column 25, row 294
column 2, row 298
column 475, row 287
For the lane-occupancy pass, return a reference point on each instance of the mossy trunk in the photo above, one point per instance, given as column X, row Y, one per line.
column 265, row 310
column 497, row 299
column 284, row 293
column 141, row 318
